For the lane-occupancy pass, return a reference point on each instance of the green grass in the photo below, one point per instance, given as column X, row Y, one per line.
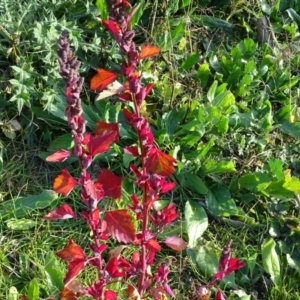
column 252, row 131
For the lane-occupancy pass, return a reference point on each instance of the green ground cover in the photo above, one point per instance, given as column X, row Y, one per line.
column 224, row 105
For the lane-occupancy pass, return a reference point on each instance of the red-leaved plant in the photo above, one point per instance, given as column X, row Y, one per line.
column 151, row 171
column 227, row 265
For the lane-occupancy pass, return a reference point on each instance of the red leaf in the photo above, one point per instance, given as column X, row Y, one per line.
column 133, row 150
column 59, row 156
column 74, row 269
column 176, row 243
column 67, row 294
column 103, row 126
column 234, row 265
column 94, row 190
column 153, row 245
column 148, row 88
column 101, row 142
column 160, row 163
column 64, row 183
column 112, row 268
column 71, row 252
column 147, row 51
column 111, row 184
column 102, row 79
column 125, row 97
column 110, row 295
column 62, row 213
column 220, row 296
column 120, row 226
column 112, row 26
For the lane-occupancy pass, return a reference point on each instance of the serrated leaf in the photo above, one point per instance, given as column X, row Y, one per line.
column 196, row 221
column 271, row 261
column 120, row 226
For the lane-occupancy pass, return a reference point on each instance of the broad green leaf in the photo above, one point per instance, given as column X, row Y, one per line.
column 294, row 16
column 22, row 206
column 293, row 129
column 194, row 182
column 101, row 4
column 224, row 100
column 211, row 22
column 256, row 182
column 13, row 293
column 220, row 203
column 138, row 14
column 203, row 74
column 212, row 91
column 54, row 273
column 207, row 260
column 64, row 141
column 196, row 221
column 33, row 290
column 212, row 166
column 20, row 224
column 207, row 147
column 190, row 61
column 223, row 125
column 275, row 166
column 271, row 261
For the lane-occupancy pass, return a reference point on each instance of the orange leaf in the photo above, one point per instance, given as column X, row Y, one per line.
column 74, row 269
column 148, row 51
column 64, row 183
column 102, row 79
column 160, row 163
column 71, row 252
column 132, row 293
column 153, row 245
column 120, row 226
column 67, row 294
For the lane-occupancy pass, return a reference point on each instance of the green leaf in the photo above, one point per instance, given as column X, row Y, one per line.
column 294, row 16
column 196, row 221
column 64, row 141
column 20, row 224
column 33, row 290
column 54, row 273
column 256, row 182
column 292, row 129
column 212, row 91
column 101, row 4
column 194, row 182
column 22, row 206
column 271, row 261
column 224, row 100
column 138, row 14
column 220, row 203
column 212, row 166
column 275, row 166
column 211, row 22
column 190, row 61
column 207, row 260
column 223, row 125
column 203, row 74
